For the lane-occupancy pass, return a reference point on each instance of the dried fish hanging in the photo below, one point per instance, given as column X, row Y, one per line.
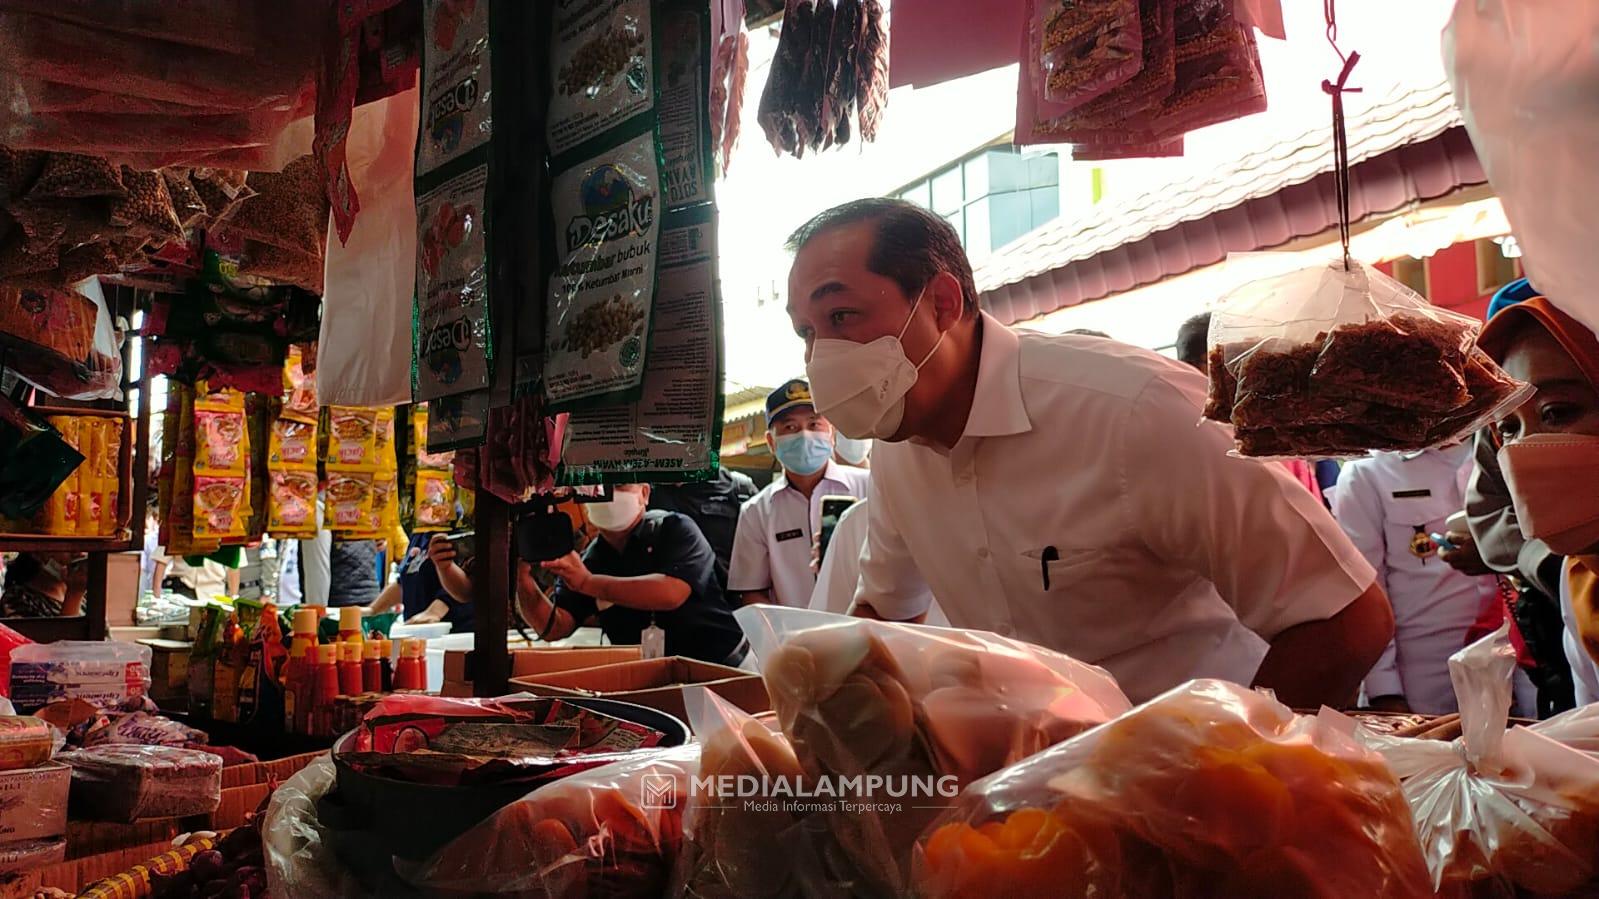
column 831, row 61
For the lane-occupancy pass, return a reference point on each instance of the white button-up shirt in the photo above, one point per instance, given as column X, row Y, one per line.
column 1086, row 508
column 841, row 570
column 772, row 547
column 1389, row 504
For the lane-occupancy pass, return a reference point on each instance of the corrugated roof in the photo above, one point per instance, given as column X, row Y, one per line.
column 1144, row 230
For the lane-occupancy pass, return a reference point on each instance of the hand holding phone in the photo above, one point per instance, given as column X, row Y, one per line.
column 833, row 508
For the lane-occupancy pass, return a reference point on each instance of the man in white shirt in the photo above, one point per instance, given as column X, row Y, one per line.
column 1062, row 490
column 840, row 570
column 1390, row 505
column 772, row 547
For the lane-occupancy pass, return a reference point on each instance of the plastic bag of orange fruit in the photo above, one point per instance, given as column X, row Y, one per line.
column 1503, row 812
column 1208, row 790
column 862, row 698
column 606, row 833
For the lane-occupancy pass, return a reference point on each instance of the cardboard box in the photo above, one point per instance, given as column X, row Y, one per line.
column 86, row 838
column 169, row 667
column 543, row 660
column 236, row 805
column 33, row 802
column 657, row 683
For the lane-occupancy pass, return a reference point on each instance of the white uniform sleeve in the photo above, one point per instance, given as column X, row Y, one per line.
column 841, row 568
column 1271, row 549
column 890, row 582
column 1357, row 505
column 751, row 567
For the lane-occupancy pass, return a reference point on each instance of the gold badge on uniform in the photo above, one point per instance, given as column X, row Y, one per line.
column 1421, row 544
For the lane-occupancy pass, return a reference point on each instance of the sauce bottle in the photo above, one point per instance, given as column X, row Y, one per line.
column 350, row 624
column 386, row 659
column 324, row 690
column 412, row 671
column 297, row 685
column 303, row 633
column 371, row 667
column 349, row 667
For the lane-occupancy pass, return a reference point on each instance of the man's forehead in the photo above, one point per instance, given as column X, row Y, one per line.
column 796, row 415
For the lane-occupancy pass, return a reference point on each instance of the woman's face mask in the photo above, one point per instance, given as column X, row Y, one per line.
column 1553, row 481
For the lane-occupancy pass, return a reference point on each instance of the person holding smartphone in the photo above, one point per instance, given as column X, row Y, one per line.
column 434, row 584
column 1392, row 505
column 776, row 529
column 647, row 569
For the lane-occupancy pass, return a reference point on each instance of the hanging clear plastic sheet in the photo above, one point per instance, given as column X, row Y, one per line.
column 1526, row 77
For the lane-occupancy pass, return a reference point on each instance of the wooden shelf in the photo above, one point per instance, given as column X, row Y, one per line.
column 46, row 543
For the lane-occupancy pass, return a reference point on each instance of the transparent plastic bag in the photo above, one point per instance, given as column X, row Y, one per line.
column 1526, row 78
column 737, row 847
column 1208, row 790
column 93, row 372
column 107, row 674
column 862, row 698
column 300, row 859
column 1083, row 50
column 125, row 782
column 612, row 831
column 1501, row 811
column 1325, row 361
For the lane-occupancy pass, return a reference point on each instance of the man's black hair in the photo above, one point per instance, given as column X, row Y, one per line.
column 1191, row 338
column 913, row 245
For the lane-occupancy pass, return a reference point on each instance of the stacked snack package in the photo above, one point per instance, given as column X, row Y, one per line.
column 434, row 507
column 1208, row 790
column 1120, row 78
column 86, row 502
column 1328, row 361
column 1503, row 812
column 351, row 463
column 610, row 831
column 292, row 456
column 221, row 467
column 873, row 699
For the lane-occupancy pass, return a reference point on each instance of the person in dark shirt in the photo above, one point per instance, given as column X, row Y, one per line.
column 647, row 567
column 433, row 585
column 713, row 505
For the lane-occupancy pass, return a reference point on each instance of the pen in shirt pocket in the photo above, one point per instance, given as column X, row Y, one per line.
column 1050, row 554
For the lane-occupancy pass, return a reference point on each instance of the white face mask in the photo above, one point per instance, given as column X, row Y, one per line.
column 851, row 451
column 861, row 387
column 618, row 514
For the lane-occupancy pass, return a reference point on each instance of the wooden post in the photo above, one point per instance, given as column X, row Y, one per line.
column 492, row 589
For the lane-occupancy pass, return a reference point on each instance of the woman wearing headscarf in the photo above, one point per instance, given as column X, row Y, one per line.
column 1550, row 459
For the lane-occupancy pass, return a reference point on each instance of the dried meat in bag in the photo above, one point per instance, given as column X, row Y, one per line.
column 1210, row 789
column 1326, row 361
column 863, row 698
column 1502, row 812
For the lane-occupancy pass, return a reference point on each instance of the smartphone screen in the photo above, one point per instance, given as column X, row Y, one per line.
column 833, row 508
column 465, row 546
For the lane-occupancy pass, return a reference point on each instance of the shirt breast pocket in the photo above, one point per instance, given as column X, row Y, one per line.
column 1410, row 521
column 1065, row 591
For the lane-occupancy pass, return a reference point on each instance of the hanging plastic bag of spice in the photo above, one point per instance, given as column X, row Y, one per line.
column 1332, row 362
column 601, row 293
column 602, row 69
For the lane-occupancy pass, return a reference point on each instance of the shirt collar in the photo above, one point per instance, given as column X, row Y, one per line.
column 997, row 406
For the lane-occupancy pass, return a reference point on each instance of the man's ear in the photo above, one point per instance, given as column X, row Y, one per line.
column 771, row 442
column 949, row 303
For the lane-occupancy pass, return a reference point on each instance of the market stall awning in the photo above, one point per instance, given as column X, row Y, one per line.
column 1407, row 148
